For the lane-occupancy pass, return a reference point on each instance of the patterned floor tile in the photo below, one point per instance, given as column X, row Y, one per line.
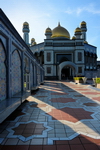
column 29, row 129
column 91, row 104
column 38, row 105
column 96, row 98
column 70, row 114
column 80, row 142
column 90, row 93
column 38, row 141
column 56, row 114
column 78, row 95
column 62, row 93
column 62, row 100
column 12, row 141
column 17, row 112
column 82, row 89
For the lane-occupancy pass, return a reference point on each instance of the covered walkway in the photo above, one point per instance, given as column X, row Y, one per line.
column 59, row 116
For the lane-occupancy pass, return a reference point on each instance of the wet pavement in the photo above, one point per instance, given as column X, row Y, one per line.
column 59, row 116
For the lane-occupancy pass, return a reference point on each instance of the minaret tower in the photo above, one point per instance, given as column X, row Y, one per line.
column 48, row 33
column 78, row 33
column 26, row 32
column 83, row 29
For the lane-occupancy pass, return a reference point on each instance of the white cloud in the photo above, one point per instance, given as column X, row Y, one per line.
column 69, row 11
column 79, row 11
column 90, row 8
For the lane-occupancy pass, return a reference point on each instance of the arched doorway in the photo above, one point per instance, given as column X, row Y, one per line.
column 67, row 70
column 66, row 73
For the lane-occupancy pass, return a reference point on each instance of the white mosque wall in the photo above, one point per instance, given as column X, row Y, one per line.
column 37, row 47
column 76, row 56
column 91, row 74
column 17, row 72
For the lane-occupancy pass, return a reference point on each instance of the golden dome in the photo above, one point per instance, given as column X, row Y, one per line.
column 83, row 23
column 35, row 43
column 86, row 42
column 73, row 38
column 48, row 30
column 77, row 30
column 60, row 32
column 32, row 40
column 25, row 24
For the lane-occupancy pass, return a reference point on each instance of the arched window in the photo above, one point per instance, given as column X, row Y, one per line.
column 2, row 73
column 26, row 65
column 16, row 72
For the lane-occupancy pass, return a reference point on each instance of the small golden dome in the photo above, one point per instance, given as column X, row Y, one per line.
column 83, row 23
column 73, row 38
column 86, row 42
column 48, row 30
column 60, row 32
column 32, row 40
column 35, row 43
column 77, row 30
column 25, row 24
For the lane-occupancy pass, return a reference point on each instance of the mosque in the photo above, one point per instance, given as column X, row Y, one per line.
column 64, row 57
column 24, row 66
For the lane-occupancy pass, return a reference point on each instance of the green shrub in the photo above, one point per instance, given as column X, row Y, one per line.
column 78, row 78
column 97, row 80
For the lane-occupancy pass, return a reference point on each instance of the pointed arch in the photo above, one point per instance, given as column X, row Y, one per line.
column 3, row 70
column 3, row 45
column 16, row 72
column 18, row 53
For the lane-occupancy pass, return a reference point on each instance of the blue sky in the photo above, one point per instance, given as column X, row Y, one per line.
column 41, row 14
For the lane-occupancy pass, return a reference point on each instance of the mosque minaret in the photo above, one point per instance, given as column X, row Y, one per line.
column 26, row 32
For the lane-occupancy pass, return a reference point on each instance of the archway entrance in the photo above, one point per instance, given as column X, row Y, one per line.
column 65, row 73
column 67, row 70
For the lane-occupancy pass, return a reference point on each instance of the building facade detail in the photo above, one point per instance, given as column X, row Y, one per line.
column 24, row 65
column 20, row 71
column 77, row 57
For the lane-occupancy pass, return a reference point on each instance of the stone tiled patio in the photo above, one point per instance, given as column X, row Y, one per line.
column 59, row 116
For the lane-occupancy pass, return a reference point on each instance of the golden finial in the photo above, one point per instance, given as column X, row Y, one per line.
column 58, row 24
